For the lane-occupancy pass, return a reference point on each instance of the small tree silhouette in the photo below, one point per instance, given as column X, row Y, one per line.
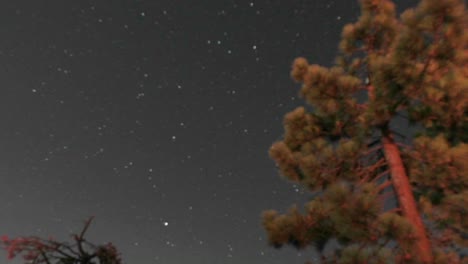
column 35, row 250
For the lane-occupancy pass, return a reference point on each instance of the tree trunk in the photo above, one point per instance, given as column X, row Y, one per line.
column 422, row 246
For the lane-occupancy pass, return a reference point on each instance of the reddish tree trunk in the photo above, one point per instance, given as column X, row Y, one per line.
column 422, row 246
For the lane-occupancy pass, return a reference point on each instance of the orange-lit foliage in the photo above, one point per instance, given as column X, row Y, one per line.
column 345, row 150
column 36, row 250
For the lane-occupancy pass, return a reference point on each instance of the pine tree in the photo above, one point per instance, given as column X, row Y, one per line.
column 344, row 148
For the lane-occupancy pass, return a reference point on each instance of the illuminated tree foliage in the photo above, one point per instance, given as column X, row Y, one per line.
column 343, row 146
column 36, row 250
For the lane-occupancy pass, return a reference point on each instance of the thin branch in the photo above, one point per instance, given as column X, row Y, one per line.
column 384, row 185
column 372, row 150
column 380, row 175
column 384, row 196
column 368, row 171
column 79, row 239
column 87, row 223
column 394, row 210
column 44, row 256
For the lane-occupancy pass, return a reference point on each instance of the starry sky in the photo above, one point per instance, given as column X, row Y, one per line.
column 156, row 118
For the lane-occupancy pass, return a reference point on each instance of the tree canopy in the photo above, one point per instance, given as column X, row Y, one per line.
column 344, row 148
column 35, row 250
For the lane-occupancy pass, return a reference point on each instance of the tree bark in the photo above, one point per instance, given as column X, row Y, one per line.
column 422, row 246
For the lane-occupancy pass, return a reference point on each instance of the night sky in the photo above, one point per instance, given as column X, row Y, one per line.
column 155, row 116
